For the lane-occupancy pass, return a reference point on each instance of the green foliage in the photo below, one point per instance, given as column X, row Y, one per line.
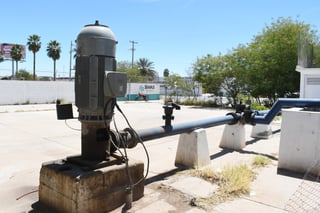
column 263, row 68
column 193, row 102
column 174, row 81
column 23, row 75
column 208, row 70
column 134, row 74
column 166, row 72
column 146, row 68
column 34, row 43
column 1, row 56
column 316, row 55
column 256, row 106
column 16, row 52
column 273, row 56
column 53, row 51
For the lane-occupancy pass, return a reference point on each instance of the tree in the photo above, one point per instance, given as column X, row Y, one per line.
column 34, row 45
column 166, row 72
column 146, row 68
column 263, row 68
column 1, row 57
column 175, row 82
column 234, row 75
column 53, row 51
column 23, row 75
column 16, row 55
column 133, row 73
column 273, row 56
column 221, row 74
column 208, row 70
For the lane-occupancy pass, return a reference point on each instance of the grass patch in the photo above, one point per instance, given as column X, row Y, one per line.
column 260, row 161
column 232, row 182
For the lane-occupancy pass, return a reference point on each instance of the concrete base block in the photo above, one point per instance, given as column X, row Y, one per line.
column 193, row 150
column 68, row 187
column 233, row 137
column 263, row 131
column 300, row 141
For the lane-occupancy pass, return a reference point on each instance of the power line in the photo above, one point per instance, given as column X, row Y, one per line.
column 132, row 51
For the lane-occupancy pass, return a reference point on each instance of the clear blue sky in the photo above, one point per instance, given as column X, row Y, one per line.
column 171, row 33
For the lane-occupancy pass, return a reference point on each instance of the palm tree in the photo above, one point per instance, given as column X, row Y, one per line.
column 146, row 68
column 1, row 56
column 53, row 51
column 34, row 45
column 16, row 55
column 166, row 72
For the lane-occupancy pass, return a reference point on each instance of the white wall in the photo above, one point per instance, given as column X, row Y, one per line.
column 20, row 92
column 309, row 82
column 299, row 141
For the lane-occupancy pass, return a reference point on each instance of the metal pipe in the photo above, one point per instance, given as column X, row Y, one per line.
column 260, row 117
column 163, row 131
column 282, row 103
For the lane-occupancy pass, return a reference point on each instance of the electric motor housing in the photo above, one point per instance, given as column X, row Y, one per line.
column 96, row 49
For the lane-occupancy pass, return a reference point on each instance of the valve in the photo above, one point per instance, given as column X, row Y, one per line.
column 168, row 111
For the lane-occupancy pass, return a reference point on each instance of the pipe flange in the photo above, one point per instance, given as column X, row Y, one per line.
column 133, row 139
column 235, row 116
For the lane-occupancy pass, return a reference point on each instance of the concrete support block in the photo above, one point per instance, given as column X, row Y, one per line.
column 233, row 137
column 67, row 187
column 300, row 141
column 193, row 150
column 263, row 131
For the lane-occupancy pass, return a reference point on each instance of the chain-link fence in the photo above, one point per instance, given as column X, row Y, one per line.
column 306, row 199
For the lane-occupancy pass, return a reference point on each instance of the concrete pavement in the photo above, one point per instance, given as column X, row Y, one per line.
column 31, row 135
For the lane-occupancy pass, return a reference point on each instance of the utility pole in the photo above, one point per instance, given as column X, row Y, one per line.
column 70, row 68
column 132, row 50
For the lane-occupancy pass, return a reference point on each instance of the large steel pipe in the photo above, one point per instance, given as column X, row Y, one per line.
column 282, row 103
column 163, row 131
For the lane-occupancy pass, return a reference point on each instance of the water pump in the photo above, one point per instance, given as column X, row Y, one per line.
column 97, row 85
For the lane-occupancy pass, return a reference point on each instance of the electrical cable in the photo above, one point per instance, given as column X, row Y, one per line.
column 129, row 188
column 112, row 101
column 65, row 121
column 139, row 140
column 124, row 155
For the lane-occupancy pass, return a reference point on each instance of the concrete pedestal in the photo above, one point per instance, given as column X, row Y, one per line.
column 263, row 131
column 193, row 149
column 300, row 141
column 68, row 187
column 233, row 137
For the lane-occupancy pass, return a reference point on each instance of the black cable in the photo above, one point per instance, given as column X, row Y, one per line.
column 122, row 141
column 112, row 101
column 140, row 141
column 125, row 155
